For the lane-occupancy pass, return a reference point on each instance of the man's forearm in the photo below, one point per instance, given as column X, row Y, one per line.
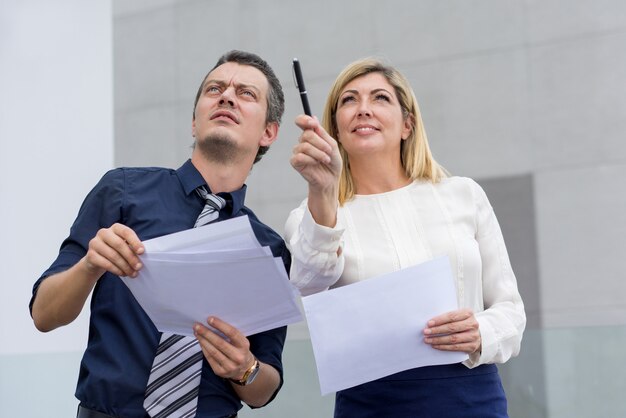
column 61, row 297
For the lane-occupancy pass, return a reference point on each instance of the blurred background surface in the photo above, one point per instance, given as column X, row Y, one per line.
column 527, row 97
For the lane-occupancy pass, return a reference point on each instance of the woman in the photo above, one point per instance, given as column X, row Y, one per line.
column 378, row 202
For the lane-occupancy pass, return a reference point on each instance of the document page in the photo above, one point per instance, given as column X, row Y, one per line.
column 373, row 328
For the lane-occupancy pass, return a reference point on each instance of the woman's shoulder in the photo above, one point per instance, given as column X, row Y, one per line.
column 463, row 188
column 460, row 182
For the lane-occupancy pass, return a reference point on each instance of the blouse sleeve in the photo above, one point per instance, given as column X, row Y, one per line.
column 317, row 262
column 503, row 320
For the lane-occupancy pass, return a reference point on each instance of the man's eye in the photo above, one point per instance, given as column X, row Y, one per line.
column 212, row 89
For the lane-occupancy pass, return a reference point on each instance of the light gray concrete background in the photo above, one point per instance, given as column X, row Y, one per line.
column 526, row 96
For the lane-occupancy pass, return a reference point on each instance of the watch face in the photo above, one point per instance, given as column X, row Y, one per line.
column 253, row 374
column 249, row 375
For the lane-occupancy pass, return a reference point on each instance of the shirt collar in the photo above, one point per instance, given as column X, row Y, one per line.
column 190, row 178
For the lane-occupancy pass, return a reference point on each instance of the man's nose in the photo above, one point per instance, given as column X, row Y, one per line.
column 228, row 97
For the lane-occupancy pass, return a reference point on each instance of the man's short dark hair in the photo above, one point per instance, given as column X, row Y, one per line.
column 275, row 96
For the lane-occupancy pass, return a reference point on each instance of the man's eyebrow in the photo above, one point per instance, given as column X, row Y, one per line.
column 208, row 81
column 238, row 86
column 248, row 86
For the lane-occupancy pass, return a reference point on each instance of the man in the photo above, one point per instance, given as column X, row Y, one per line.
column 236, row 116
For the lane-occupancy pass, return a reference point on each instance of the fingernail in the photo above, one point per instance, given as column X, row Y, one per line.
column 428, row 331
column 138, row 266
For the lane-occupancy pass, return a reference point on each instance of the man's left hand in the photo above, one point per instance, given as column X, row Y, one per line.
column 228, row 356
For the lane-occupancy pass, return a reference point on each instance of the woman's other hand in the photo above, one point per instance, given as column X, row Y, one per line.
column 454, row 331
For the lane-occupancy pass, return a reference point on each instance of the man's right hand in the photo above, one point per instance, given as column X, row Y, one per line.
column 61, row 296
column 115, row 250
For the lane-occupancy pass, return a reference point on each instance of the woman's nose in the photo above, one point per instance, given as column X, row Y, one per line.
column 364, row 109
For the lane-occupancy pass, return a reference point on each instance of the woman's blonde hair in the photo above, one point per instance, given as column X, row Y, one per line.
column 415, row 155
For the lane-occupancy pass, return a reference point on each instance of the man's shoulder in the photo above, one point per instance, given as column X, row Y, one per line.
column 130, row 172
column 128, row 179
column 145, row 170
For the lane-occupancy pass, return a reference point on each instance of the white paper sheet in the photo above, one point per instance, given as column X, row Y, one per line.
column 219, row 269
column 372, row 329
column 235, row 233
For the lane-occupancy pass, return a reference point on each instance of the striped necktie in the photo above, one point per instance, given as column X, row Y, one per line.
column 174, row 381
column 212, row 207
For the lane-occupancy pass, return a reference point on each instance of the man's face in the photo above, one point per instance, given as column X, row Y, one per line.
column 230, row 116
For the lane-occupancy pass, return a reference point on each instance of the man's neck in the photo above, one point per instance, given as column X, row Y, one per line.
column 221, row 177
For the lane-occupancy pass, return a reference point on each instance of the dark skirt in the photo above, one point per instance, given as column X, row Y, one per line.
column 448, row 391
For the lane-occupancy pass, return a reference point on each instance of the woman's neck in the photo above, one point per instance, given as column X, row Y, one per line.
column 373, row 177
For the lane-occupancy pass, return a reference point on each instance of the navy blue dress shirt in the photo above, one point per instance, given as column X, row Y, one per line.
column 122, row 340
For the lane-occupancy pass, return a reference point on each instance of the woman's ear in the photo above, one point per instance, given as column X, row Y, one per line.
column 409, row 125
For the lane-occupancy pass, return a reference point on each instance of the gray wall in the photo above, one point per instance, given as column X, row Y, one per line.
column 528, row 97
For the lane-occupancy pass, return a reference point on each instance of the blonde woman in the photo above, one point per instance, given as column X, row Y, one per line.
column 379, row 202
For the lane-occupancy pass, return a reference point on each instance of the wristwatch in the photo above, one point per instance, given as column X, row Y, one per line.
column 249, row 375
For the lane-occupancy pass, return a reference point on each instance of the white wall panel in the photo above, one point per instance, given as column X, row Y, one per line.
column 56, row 131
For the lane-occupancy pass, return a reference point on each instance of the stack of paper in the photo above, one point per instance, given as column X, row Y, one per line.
column 215, row 270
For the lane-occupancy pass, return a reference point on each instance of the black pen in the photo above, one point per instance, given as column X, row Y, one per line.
column 300, row 85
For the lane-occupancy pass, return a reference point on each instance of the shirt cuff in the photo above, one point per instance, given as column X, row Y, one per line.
column 489, row 346
column 321, row 238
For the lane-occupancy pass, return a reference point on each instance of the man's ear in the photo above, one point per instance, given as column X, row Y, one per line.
column 193, row 125
column 270, row 134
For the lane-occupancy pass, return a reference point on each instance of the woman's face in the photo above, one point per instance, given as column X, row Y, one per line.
column 369, row 117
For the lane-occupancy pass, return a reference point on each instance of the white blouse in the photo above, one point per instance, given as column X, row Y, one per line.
column 381, row 233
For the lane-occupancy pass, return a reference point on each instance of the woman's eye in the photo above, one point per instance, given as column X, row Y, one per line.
column 347, row 99
column 382, row 97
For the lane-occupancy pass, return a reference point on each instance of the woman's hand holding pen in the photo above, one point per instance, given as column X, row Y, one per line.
column 316, row 157
column 454, row 331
